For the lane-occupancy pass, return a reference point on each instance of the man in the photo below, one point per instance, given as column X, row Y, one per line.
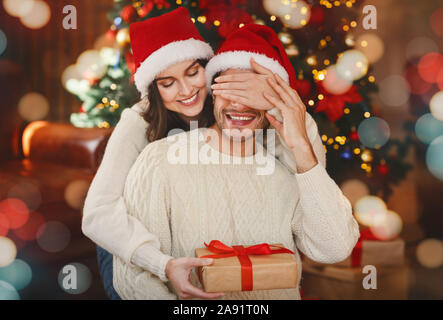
column 185, row 204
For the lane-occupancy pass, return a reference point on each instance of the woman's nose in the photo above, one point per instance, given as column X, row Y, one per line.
column 185, row 89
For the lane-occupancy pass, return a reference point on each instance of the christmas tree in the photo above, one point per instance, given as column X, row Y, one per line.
column 333, row 68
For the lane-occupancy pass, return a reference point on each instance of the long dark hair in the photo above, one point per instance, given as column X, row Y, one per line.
column 161, row 120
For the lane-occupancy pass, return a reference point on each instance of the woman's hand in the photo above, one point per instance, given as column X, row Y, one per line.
column 293, row 128
column 178, row 271
column 246, row 88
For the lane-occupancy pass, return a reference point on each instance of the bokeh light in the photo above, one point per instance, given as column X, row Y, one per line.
column 75, row 193
column 15, row 211
column 90, row 65
column 4, row 224
column 8, row 251
column 38, row 17
column 387, row 226
column 3, row 42
column 18, row 8
column 28, row 231
column 295, row 15
column 8, row 292
column 420, row 46
column 18, row 274
column 427, row 128
column 352, row 65
column 436, row 106
column 74, row 278
column 53, row 236
column 429, row 66
column 429, row 253
column 416, row 84
column 394, row 91
column 436, row 22
column 273, row 7
column 434, row 158
column 354, row 190
column 27, row 192
column 374, row 132
column 335, row 84
column 369, row 209
column 371, row 45
column 33, row 106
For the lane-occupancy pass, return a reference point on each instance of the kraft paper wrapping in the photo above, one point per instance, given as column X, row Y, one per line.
column 274, row 271
column 377, row 253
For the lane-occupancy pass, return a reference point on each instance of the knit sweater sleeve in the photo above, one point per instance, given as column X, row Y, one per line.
column 105, row 216
column 146, row 196
column 323, row 225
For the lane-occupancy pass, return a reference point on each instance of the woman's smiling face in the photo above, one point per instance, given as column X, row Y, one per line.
column 182, row 87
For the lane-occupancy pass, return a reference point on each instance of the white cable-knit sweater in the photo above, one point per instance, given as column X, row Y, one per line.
column 105, row 217
column 185, row 205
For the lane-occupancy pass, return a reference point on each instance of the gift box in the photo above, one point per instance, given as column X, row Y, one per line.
column 247, row 268
column 370, row 250
column 338, row 283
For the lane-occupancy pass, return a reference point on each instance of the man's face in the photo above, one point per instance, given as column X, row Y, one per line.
column 236, row 120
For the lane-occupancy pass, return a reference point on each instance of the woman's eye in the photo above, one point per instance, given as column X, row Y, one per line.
column 193, row 73
column 167, row 85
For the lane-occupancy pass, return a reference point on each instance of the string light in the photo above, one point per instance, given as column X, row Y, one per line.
column 357, row 151
column 367, row 114
column 371, row 79
column 324, row 137
column 273, row 18
column 179, row 2
column 201, row 19
column 346, row 111
column 216, row 23
column 353, row 24
column 311, row 102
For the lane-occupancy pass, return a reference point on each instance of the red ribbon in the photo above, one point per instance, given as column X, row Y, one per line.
column 242, row 254
column 356, row 254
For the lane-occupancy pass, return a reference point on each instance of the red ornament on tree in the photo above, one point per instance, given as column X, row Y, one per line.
column 354, row 135
column 146, row 9
column 303, row 87
column 111, row 34
column 317, row 16
column 333, row 105
column 128, row 14
column 383, row 169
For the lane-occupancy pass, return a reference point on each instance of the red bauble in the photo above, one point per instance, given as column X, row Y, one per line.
column 303, row 88
column 353, row 136
column 383, row 169
column 146, row 9
column 111, row 34
column 128, row 13
column 317, row 15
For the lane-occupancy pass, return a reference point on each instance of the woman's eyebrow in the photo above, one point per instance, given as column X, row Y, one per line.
column 189, row 67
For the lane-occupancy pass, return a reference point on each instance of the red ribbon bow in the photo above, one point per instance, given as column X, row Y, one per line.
column 356, row 254
column 242, row 253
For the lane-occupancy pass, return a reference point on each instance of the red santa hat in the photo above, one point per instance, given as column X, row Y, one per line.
column 162, row 41
column 252, row 41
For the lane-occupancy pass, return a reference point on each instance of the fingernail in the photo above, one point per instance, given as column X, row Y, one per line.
column 216, row 79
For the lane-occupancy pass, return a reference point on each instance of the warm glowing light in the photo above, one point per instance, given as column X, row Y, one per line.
column 311, row 102
column 8, row 251
column 430, row 253
column 354, row 190
column 29, row 132
column 368, row 209
column 388, row 226
column 75, row 193
column 18, row 8
column 436, row 105
column 334, row 83
column 216, row 23
column 33, row 106
column 38, row 17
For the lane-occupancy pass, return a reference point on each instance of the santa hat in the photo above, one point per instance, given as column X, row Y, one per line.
column 252, row 41
column 162, row 41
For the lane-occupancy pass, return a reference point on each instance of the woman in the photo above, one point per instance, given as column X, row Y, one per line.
column 171, row 79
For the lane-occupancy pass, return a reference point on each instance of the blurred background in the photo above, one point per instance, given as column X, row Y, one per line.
column 369, row 72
